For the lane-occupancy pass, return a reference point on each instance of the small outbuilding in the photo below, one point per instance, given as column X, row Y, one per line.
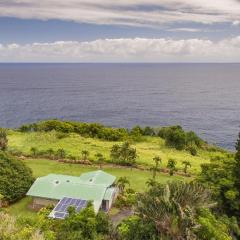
column 97, row 187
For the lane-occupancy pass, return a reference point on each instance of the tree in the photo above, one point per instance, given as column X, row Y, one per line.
column 121, row 183
column 186, row 165
column 135, row 228
column 172, row 208
column 171, row 166
column 136, row 133
column 156, row 160
column 3, row 139
column 33, row 151
column 100, row 159
column 61, row 154
column 50, row 153
column 148, row 131
column 237, row 164
column 77, row 226
column 84, row 225
column 85, row 155
column 222, row 176
column 15, row 178
column 10, row 229
column 151, row 182
column 123, row 154
column 213, row 227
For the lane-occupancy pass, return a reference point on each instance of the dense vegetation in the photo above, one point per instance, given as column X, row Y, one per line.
column 53, row 140
column 203, row 209
column 176, row 211
column 124, row 154
column 78, row 226
column 176, row 137
column 15, row 178
column 3, row 139
column 223, row 177
column 94, row 130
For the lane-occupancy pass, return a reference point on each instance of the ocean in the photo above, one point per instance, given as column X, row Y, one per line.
column 204, row 98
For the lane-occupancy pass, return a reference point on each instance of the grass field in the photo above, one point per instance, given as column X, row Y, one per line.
column 41, row 167
column 73, row 144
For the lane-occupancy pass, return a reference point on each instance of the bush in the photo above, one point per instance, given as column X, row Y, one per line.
column 123, row 154
column 15, row 178
column 126, row 199
column 3, row 139
column 60, row 154
column 136, row 133
column 176, row 137
column 94, row 130
column 135, row 228
column 192, row 150
column 148, row 131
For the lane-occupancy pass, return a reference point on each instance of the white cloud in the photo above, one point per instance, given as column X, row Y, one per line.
column 185, row 30
column 236, row 23
column 125, row 12
column 125, row 50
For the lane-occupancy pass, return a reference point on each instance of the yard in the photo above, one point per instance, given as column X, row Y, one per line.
column 41, row 167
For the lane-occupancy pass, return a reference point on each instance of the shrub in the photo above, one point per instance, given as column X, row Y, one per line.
column 136, row 133
column 3, row 139
column 148, row 131
column 123, row 154
column 126, row 199
column 94, row 130
column 171, row 165
column 176, row 137
column 15, row 178
column 192, row 150
column 61, row 154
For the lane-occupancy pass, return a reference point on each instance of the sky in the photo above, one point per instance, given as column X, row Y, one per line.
column 120, row 31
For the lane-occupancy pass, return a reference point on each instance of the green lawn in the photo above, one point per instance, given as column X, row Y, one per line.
column 41, row 167
column 73, row 144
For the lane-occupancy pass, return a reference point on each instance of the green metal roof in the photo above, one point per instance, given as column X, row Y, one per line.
column 109, row 193
column 98, row 177
column 89, row 186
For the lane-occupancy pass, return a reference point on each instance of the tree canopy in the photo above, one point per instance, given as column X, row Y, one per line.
column 15, row 178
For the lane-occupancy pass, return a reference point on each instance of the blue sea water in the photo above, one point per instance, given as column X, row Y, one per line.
column 200, row 97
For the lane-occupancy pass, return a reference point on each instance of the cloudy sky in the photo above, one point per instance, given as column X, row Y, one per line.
column 120, row 31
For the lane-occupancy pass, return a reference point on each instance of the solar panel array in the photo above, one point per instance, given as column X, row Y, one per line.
column 61, row 209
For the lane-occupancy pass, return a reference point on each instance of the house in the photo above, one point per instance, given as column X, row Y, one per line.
column 97, row 187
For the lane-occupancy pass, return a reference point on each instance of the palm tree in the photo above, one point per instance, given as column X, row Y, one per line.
column 61, row 153
column 171, row 166
column 33, row 150
column 172, row 208
column 50, row 153
column 151, row 182
column 121, row 183
column 157, row 160
column 100, row 159
column 186, row 165
column 85, row 155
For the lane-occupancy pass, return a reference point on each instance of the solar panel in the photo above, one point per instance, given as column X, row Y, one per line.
column 61, row 209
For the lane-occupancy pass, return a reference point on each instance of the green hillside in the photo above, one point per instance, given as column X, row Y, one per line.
column 74, row 144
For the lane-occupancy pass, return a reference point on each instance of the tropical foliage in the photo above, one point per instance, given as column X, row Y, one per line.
column 15, row 178
column 176, row 137
column 3, row 139
column 123, row 154
column 222, row 175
